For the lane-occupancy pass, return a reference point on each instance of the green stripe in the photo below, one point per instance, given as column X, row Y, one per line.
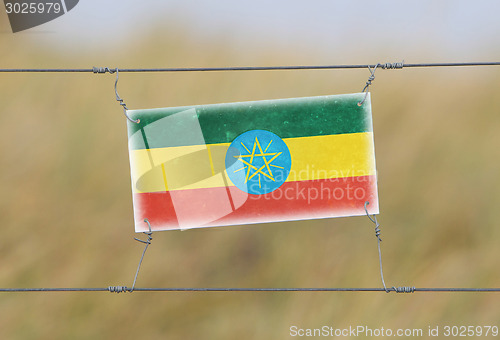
column 221, row 123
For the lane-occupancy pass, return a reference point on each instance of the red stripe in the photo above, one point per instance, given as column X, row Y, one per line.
column 292, row 201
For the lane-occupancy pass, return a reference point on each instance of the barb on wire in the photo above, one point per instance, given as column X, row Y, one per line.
column 117, row 289
column 392, row 66
column 103, row 70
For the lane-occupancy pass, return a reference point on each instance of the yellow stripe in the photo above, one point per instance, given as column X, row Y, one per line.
column 203, row 166
column 332, row 156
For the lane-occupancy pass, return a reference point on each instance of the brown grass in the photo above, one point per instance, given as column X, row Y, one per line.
column 66, row 211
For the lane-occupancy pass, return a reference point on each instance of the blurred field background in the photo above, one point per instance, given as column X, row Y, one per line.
column 66, row 209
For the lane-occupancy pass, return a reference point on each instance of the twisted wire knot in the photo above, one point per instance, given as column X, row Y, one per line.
column 392, row 66
column 378, row 232
column 403, row 289
column 374, row 221
column 118, row 289
column 103, row 70
column 147, row 233
column 369, row 81
column 120, row 101
column 385, row 66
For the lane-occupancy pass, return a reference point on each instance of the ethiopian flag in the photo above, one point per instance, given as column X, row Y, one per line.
column 252, row 162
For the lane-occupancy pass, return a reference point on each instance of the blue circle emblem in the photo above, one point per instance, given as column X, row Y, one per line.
column 258, row 162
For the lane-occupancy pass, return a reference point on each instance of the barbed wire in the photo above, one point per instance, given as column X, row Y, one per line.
column 398, row 65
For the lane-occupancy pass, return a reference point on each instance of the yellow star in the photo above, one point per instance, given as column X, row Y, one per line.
column 267, row 163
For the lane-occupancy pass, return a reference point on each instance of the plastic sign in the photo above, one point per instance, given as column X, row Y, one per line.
column 252, row 162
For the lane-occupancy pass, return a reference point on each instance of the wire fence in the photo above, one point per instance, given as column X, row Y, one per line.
column 371, row 67
column 123, row 289
column 397, row 65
